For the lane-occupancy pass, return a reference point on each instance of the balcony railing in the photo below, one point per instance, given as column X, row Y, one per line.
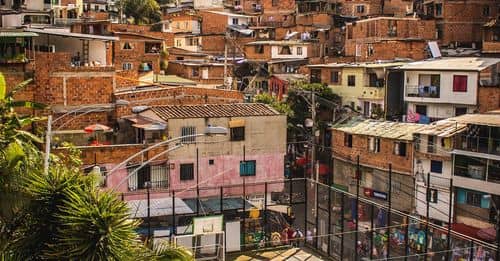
column 422, row 91
column 479, row 144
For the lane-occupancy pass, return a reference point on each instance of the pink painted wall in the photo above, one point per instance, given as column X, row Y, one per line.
column 224, row 172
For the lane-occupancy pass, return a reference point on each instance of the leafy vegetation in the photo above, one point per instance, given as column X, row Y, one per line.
column 62, row 214
column 142, row 11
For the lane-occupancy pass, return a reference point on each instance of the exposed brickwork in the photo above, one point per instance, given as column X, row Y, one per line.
column 488, row 98
column 217, row 24
column 389, row 38
column 176, row 96
column 213, row 43
column 215, row 74
column 381, row 159
column 370, row 7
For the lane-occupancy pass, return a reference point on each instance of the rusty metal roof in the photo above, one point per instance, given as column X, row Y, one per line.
column 214, row 111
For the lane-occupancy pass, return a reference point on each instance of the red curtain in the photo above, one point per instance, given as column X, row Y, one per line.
column 460, row 83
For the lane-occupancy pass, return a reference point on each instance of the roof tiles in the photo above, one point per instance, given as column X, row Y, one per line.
column 214, row 111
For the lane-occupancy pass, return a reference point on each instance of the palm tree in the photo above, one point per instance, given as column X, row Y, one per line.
column 62, row 214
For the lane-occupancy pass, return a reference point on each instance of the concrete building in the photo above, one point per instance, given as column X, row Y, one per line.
column 378, row 144
column 433, row 147
column 476, row 170
column 362, row 86
column 253, row 151
column 31, row 12
column 447, row 87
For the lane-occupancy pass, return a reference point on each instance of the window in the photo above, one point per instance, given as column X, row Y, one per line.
column 374, row 82
column 96, row 8
column 460, row 111
column 374, row 144
column 127, row 66
column 460, row 83
column 186, row 131
column 334, row 77
column 285, row 50
column 195, row 72
column 486, row 10
column 237, row 133
column 348, row 140
column 139, row 178
column 247, row 167
column 436, row 166
column 178, row 43
column 369, row 50
column 235, row 21
column 431, row 144
column 392, row 29
column 421, row 109
column 432, row 195
column 187, row 171
column 210, row 162
column 439, row 31
column 259, row 49
column 400, row 148
column 102, row 171
column 351, row 80
column 127, row 46
column 360, row 9
column 299, row 50
column 439, row 9
column 275, row 2
column 473, row 198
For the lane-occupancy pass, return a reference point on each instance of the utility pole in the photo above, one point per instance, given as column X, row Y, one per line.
column 48, row 137
column 225, row 60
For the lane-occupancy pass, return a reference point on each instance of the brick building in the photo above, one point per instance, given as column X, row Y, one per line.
column 377, row 144
column 387, row 38
column 491, row 38
column 203, row 72
column 458, row 23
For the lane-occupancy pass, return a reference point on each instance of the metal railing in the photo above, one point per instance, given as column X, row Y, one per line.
column 422, row 91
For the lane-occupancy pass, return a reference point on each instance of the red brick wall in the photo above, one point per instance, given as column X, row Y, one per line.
column 488, row 98
column 397, row 8
column 406, row 28
column 372, row 7
column 380, row 160
column 213, row 43
column 462, row 20
column 213, row 23
column 252, row 55
column 176, row 96
column 15, row 74
column 388, row 50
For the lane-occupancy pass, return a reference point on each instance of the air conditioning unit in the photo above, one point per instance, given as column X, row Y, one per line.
column 52, row 48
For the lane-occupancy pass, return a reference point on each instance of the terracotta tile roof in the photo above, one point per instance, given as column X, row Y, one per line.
column 214, row 110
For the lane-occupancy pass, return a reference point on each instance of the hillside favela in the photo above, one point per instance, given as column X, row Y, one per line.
column 248, row 130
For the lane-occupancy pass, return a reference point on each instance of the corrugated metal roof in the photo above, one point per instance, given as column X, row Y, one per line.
column 443, row 128
column 213, row 111
column 453, row 64
column 17, row 34
column 487, row 119
column 382, row 129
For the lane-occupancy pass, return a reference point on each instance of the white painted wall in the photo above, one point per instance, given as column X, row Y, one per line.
column 275, row 52
column 12, row 20
column 241, row 20
column 207, row 4
column 181, row 42
column 35, row 5
column 440, row 110
column 439, row 210
column 97, row 52
column 446, row 93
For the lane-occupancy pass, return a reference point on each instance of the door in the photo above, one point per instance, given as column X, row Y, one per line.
column 204, row 73
column 366, row 109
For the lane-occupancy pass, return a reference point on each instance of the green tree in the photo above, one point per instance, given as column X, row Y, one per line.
column 281, row 107
column 142, row 11
column 62, row 214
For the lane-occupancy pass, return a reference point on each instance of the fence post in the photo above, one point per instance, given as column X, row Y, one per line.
column 389, row 221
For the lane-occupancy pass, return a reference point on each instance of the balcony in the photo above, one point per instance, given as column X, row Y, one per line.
column 482, row 139
column 422, row 91
column 477, row 168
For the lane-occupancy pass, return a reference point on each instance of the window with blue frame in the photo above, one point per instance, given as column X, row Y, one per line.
column 436, row 166
column 247, row 167
column 473, row 198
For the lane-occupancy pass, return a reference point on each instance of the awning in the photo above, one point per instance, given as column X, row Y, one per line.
column 75, row 35
column 236, row 123
column 17, row 34
column 238, row 29
column 464, row 229
column 159, row 207
column 150, row 126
